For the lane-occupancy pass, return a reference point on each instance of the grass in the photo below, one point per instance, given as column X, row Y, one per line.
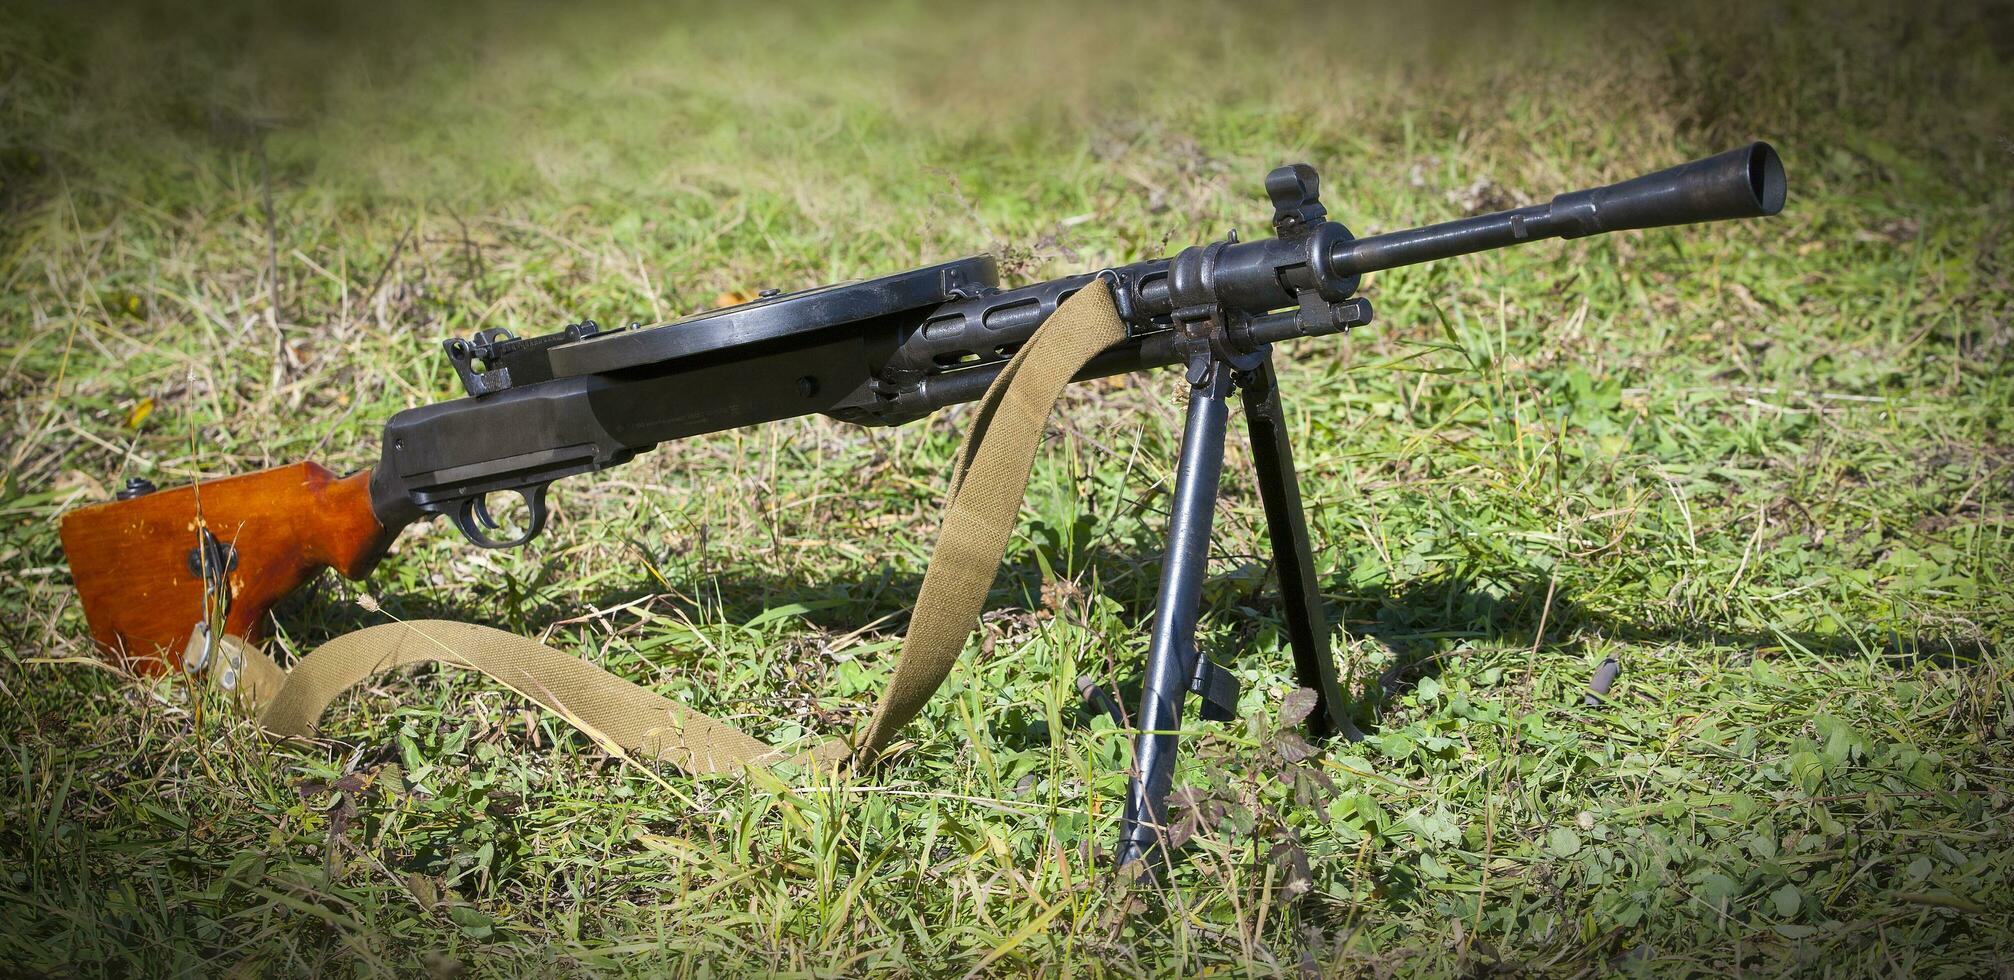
column 1765, row 465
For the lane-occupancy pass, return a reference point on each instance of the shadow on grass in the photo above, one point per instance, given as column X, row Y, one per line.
column 1416, row 619
column 1421, row 622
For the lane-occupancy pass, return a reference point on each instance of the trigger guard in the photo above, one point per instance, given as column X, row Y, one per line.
column 472, row 513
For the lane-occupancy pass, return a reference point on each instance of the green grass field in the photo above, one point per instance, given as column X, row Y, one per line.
column 1767, row 465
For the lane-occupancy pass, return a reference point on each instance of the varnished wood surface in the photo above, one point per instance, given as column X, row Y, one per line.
column 130, row 558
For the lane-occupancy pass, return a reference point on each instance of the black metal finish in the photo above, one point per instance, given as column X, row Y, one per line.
column 777, row 318
column 437, row 458
column 1174, row 666
column 1218, row 687
column 211, row 557
column 988, row 327
column 496, row 359
column 1297, row 200
column 1096, row 697
column 1171, row 651
column 1144, row 352
column 211, row 562
column 472, row 517
column 1743, row 183
column 1293, row 556
column 137, row 486
column 1604, row 678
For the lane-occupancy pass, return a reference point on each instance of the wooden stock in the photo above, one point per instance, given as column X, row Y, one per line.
column 137, row 563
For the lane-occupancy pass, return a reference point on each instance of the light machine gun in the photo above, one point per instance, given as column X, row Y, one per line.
column 886, row 351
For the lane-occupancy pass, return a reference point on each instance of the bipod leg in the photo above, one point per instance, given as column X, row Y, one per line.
column 1293, row 559
column 1171, row 651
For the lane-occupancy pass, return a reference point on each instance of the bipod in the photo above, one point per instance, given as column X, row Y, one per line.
column 1175, row 667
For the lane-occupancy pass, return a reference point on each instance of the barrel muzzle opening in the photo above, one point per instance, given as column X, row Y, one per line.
column 1765, row 178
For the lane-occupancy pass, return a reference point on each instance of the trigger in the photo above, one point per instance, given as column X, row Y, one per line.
column 534, row 501
column 472, row 515
column 464, row 516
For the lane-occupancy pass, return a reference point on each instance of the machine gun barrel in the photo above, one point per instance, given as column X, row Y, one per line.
column 951, row 362
column 1741, row 183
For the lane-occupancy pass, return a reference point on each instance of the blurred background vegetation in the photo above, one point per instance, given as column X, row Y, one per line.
column 498, row 102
